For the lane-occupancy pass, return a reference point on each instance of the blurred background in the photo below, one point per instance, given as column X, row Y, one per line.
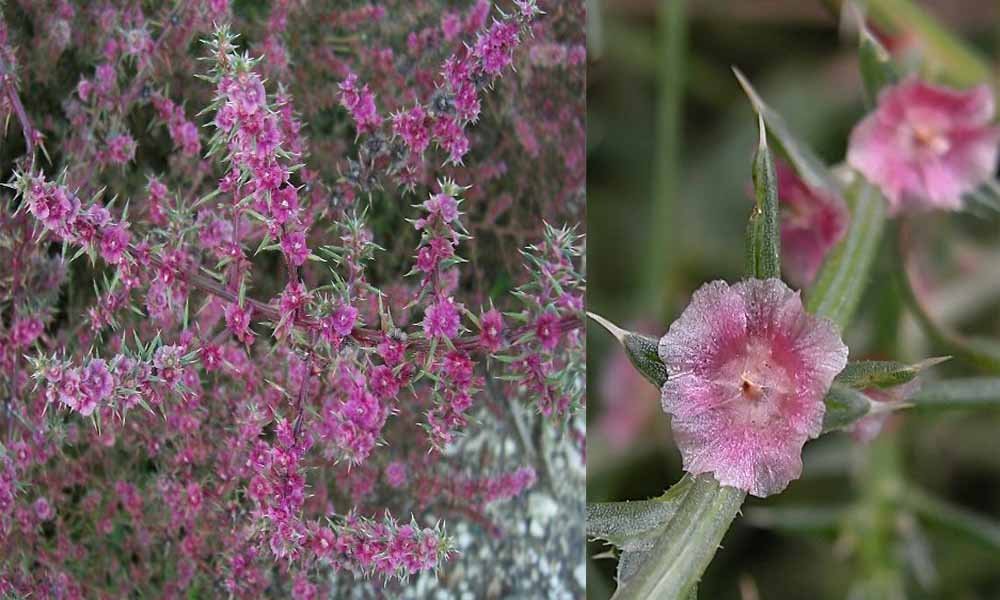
column 670, row 141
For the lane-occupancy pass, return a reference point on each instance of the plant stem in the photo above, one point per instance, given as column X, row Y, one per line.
column 688, row 543
column 666, row 165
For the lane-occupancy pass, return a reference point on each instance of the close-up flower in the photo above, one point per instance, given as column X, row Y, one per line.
column 792, row 397
column 747, row 372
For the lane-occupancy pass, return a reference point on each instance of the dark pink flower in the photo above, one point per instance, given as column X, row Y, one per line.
column 121, row 148
column 441, row 319
column 812, row 222
column 360, row 103
column 495, row 47
column 748, row 369
column 547, row 331
column 25, row 331
column 284, row 204
column 114, row 241
column 925, row 146
column 96, row 385
column 395, row 474
column 344, row 319
column 43, row 510
column 238, row 322
column 411, row 125
column 295, row 248
column 491, row 330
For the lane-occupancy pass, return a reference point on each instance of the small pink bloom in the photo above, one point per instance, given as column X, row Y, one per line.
column 114, row 241
column 25, row 331
column 411, row 125
column 812, row 222
column 451, row 25
column 547, row 331
column 284, row 204
column 491, row 330
column 238, row 322
column 360, row 103
column 395, row 474
column 96, row 386
column 121, row 148
column 344, row 319
column 748, row 369
column 441, row 319
column 925, row 146
column 43, row 510
column 295, row 248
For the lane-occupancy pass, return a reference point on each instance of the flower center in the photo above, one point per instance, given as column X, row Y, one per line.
column 750, row 389
column 930, row 139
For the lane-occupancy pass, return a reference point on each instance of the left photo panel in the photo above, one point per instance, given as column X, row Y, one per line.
column 292, row 299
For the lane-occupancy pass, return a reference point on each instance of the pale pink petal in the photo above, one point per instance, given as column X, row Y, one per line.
column 708, row 332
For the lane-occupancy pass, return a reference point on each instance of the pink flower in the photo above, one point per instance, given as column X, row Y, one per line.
column 344, row 319
column 43, row 510
column 451, row 25
column 411, row 125
column 443, row 205
column 495, row 48
column 812, row 222
column 114, row 241
column 284, row 204
column 547, row 331
column 395, row 474
column 96, row 386
column 926, row 146
column 121, row 148
column 360, row 103
column 491, row 330
column 238, row 322
column 441, row 319
column 25, row 331
column 748, row 369
column 295, row 248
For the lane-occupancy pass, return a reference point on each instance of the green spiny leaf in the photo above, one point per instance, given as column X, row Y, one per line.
column 642, row 351
column 763, row 251
column 867, row 374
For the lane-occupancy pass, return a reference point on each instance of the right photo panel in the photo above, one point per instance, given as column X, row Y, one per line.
column 793, row 364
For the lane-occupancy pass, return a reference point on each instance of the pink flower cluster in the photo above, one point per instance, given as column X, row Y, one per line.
column 258, row 140
column 509, row 485
column 457, row 385
column 81, row 389
column 353, row 416
column 255, row 419
column 386, row 548
column 60, row 212
column 360, row 103
column 183, row 132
